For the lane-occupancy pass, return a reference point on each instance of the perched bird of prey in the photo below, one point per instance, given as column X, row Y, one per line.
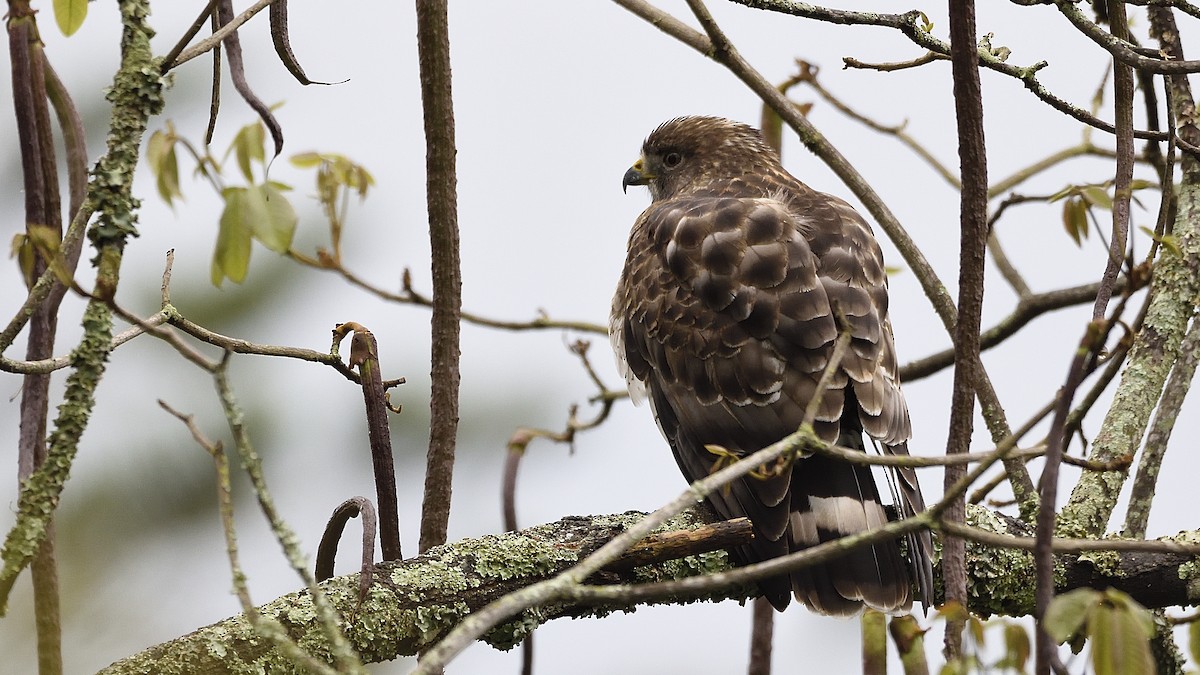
column 738, row 281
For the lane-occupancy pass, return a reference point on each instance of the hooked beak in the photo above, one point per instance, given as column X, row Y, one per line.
column 636, row 175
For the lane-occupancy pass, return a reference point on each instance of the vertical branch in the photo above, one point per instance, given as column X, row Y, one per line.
column 874, row 642
column 1043, row 557
column 364, row 355
column 972, row 154
column 761, row 636
column 433, row 46
column 42, row 209
column 381, row 455
column 1123, row 120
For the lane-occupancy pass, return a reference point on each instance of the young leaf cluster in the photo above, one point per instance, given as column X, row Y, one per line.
column 1117, row 628
column 258, row 210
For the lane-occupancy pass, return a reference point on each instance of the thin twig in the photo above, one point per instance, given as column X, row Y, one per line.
column 1122, row 191
column 761, row 633
column 927, row 57
column 327, row 549
column 1068, row 544
column 212, row 41
column 269, row 629
column 364, row 355
column 1027, row 310
column 911, row 24
column 1122, row 49
column 344, row 656
column 808, row 75
column 171, row 59
column 1043, row 561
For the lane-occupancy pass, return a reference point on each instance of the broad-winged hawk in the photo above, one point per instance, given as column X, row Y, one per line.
column 726, row 316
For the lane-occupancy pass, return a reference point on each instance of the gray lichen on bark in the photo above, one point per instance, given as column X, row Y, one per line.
column 413, row 603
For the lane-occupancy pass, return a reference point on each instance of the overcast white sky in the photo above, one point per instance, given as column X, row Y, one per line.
column 552, row 102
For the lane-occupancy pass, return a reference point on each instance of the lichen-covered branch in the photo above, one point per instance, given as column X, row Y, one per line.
column 135, row 96
column 1171, row 306
column 412, row 604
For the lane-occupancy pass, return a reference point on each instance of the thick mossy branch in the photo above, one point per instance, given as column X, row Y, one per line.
column 413, row 603
column 136, row 95
column 1000, row 580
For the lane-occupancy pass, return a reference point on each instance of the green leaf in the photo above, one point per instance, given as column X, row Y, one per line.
column 164, row 164
column 265, row 213
column 1075, row 219
column 69, row 14
column 156, row 149
column 22, row 249
column 247, row 146
column 954, row 667
column 47, row 241
column 1016, row 647
column 926, row 24
column 306, row 160
column 1126, row 602
column 270, row 215
column 975, row 627
column 1142, row 184
column 1097, row 196
column 1068, row 612
column 1119, row 637
column 168, row 178
column 231, row 258
column 953, row 610
column 1168, row 241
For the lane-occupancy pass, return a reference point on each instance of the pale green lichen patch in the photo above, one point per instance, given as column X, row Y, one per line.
column 998, row 579
column 681, row 568
column 497, row 557
column 1107, row 563
column 511, row 633
column 435, row 575
column 1189, row 572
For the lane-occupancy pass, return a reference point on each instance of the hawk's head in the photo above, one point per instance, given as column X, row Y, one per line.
column 688, row 152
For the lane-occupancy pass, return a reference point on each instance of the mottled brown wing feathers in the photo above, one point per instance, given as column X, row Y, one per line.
column 737, row 280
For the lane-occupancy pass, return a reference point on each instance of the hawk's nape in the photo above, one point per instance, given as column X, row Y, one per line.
column 725, row 318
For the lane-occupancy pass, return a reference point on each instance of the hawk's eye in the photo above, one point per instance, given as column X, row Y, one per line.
column 672, row 160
